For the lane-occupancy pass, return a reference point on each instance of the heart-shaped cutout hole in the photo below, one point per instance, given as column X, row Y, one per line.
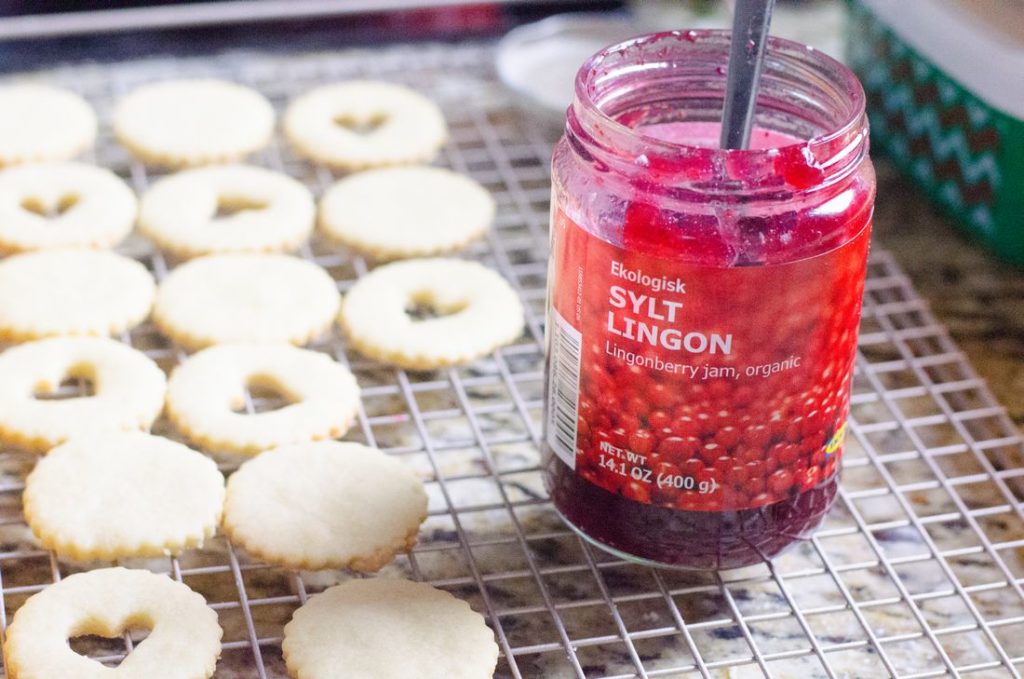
column 110, row 647
column 361, row 126
column 229, row 206
column 36, row 205
column 423, row 307
column 265, row 395
column 78, row 382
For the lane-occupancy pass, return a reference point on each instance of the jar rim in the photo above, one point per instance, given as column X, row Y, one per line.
column 829, row 147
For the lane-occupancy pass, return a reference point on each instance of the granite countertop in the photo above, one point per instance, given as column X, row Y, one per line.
column 979, row 298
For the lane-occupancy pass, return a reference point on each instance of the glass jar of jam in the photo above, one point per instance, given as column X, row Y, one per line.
column 703, row 303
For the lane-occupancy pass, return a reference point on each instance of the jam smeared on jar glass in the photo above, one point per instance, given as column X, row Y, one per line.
column 704, row 304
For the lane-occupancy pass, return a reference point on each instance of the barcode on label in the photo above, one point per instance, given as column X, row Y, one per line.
column 563, row 388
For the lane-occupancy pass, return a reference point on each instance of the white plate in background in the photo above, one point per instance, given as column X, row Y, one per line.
column 539, row 61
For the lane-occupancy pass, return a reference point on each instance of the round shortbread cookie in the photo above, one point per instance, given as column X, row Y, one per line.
column 206, row 394
column 169, row 498
column 400, row 212
column 39, row 123
column 480, row 312
column 272, row 211
column 361, row 124
column 193, row 122
column 324, row 505
column 128, row 390
column 388, row 629
column 63, row 205
column 72, row 292
column 245, row 298
column 184, row 641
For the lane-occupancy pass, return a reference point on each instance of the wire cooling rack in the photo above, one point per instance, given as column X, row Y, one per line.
column 917, row 573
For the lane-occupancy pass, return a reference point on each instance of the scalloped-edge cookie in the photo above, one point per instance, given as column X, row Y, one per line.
column 184, row 641
column 168, row 497
column 361, row 124
column 399, row 212
column 45, row 206
column 222, row 299
column 273, row 212
column 72, row 292
column 478, row 311
column 205, row 396
column 179, row 123
column 129, row 390
column 388, row 629
column 324, row 505
column 40, row 123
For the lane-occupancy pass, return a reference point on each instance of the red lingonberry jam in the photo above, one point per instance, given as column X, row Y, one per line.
column 703, row 304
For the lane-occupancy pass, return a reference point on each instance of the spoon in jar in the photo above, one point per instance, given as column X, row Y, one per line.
column 751, row 19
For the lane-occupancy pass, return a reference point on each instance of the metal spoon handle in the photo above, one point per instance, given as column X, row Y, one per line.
column 746, row 56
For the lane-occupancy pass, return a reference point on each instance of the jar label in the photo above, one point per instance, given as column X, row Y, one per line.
column 695, row 387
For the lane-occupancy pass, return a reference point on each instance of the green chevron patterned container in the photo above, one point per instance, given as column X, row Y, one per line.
column 946, row 103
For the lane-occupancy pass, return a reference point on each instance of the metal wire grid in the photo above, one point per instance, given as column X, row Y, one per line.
column 916, row 573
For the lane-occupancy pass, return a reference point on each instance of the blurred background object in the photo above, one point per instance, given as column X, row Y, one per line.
column 539, row 61
column 945, row 84
column 39, row 33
